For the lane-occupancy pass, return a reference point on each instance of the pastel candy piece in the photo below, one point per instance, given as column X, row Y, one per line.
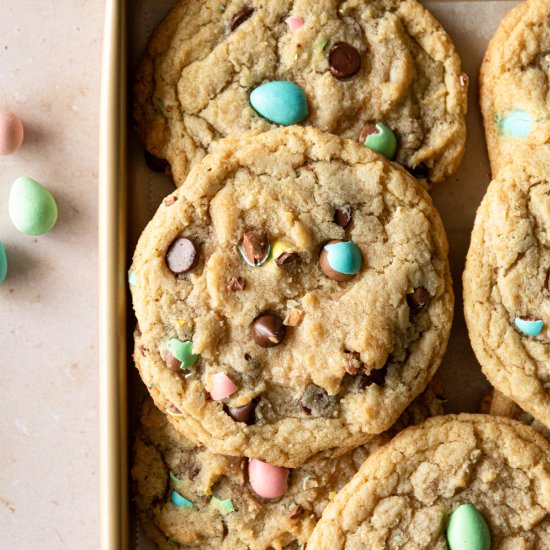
column 182, row 351
column 468, row 530
column 344, row 257
column 3, row 263
column 180, row 502
column 132, row 278
column 11, row 133
column 294, row 23
column 222, row 386
column 281, row 102
column 266, row 480
column 224, row 507
column 32, row 207
column 516, row 124
column 531, row 328
column 278, row 248
column 381, row 139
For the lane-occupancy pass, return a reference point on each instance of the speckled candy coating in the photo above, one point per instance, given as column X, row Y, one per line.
column 352, row 354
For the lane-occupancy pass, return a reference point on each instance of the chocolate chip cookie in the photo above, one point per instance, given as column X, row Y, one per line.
column 188, row 497
column 506, row 283
column 293, row 297
column 459, row 482
column 514, row 83
column 383, row 72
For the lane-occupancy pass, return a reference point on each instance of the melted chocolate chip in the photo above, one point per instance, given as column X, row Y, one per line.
column 194, row 473
column 296, row 512
column 182, row 256
column 240, row 17
column 236, row 284
column 242, row 414
column 377, row 377
column 247, row 357
column 344, row 60
column 171, row 362
column 268, row 330
column 547, row 283
column 354, row 364
column 317, row 401
column 287, row 258
column 155, row 164
column 418, row 299
column 342, row 216
column 255, row 246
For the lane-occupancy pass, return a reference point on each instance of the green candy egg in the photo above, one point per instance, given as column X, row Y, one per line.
column 32, row 207
column 383, row 141
column 3, row 263
column 182, row 351
column 468, row 530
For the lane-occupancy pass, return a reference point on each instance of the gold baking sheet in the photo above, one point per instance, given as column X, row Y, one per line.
column 471, row 25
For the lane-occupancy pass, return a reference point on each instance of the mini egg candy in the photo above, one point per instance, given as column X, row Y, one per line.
column 3, row 263
column 255, row 247
column 468, row 530
column 283, row 253
column 222, row 386
column 379, row 138
column 267, row 481
column 32, row 207
column 340, row 260
column 528, row 326
column 182, row 351
column 181, row 502
column 281, row 102
column 11, row 133
column 515, row 124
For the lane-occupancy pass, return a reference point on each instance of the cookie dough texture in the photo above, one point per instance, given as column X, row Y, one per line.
column 193, row 84
column 514, row 78
column 404, row 493
column 506, row 278
column 289, row 183
column 256, row 524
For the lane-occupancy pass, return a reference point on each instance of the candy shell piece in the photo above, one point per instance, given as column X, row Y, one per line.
column 344, row 257
column 11, row 133
column 132, row 278
column 222, row 386
column 3, row 263
column 224, row 507
column 382, row 141
column 281, row 102
column 294, row 23
column 528, row 327
column 515, row 124
column 181, row 502
column 266, row 480
column 32, row 207
column 468, row 530
column 182, row 351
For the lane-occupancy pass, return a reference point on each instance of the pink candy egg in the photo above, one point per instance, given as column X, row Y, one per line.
column 222, row 386
column 266, row 480
column 294, row 23
column 11, row 133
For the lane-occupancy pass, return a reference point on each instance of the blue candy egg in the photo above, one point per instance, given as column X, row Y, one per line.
column 179, row 501
column 3, row 263
column 515, row 124
column 528, row 327
column 281, row 102
column 344, row 257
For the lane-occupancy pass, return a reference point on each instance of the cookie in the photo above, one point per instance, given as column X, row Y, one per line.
column 514, row 82
column 293, row 297
column 188, row 497
column 506, row 290
column 383, row 72
column 459, row 482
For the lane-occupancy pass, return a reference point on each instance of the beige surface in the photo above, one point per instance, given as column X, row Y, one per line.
column 50, row 55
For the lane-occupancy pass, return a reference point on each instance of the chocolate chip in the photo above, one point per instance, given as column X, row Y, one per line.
column 418, row 299
column 181, row 256
column 287, row 258
column 194, row 473
column 342, row 215
column 171, row 362
column 242, row 414
column 317, row 401
column 377, row 376
column 344, row 60
column 296, row 512
column 368, row 130
column 247, row 357
column 268, row 330
column 354, row 364
column 255, row 246
column 547, row 283
column 240, row 17
column 236, row 283
column 137, row 330
column 155, row 164
column 327, row 268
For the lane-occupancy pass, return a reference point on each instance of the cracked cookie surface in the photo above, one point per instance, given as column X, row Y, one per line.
column 404, row 494
column 165, row 461
column 514, row 83
column 201, row 64
column 506, row 283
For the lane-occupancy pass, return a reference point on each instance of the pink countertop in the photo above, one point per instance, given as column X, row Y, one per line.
column 50, row 59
